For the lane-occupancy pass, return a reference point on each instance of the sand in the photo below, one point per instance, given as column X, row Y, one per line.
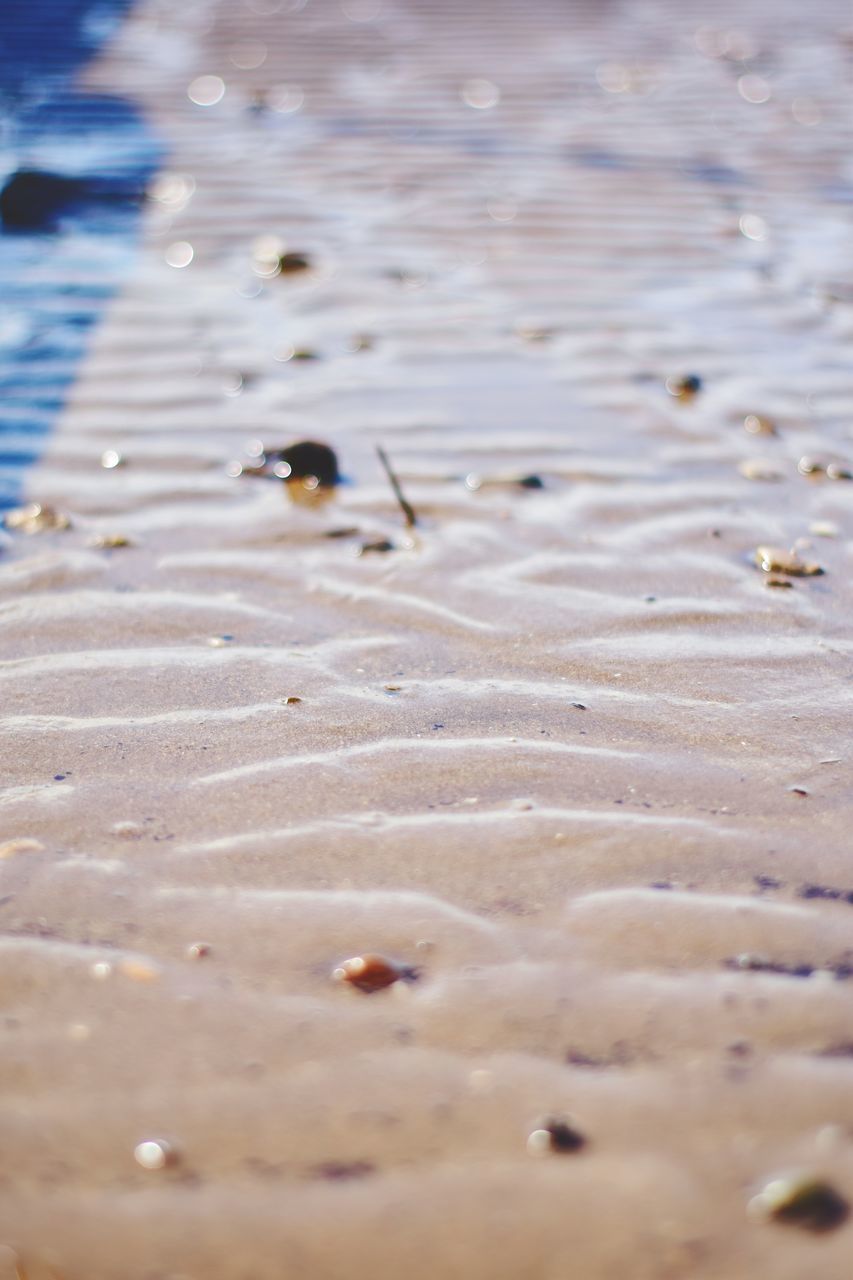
column 544, row 750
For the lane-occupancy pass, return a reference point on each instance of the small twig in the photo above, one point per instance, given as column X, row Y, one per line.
column 406, row 507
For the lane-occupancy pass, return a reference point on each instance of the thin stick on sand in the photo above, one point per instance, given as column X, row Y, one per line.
column 406, row 507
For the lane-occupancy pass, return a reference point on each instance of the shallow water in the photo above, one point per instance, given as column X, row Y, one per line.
column 56, row 283
column 561, row 749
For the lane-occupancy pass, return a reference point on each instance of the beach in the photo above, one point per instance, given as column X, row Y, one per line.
column 559, row 751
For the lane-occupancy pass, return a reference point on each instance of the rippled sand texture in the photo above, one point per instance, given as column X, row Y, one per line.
column 570, row 879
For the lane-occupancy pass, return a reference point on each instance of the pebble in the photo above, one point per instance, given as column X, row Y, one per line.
column 556, row 1135
column 760, row 469
column 800, row 1200
column 778, row 560
column 306, row 460
column 380, row 546
column 831, row 468
column 109, row 541
column 756, row 425
column 154, row 1153
column 373, row 972
column 128, row 830
column 750, row 960
column 139, row 970
column 111, row 458
column 23, row 844
column 35, row 518
column 32, row 199
column 198, row 950
column 291, row 262
column 684, row 388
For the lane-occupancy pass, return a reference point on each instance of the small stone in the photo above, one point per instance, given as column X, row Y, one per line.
column 139, row 970
column 198, row 950
column 23, row 844
column 291, row 262
column 371, row 973
column 829, row 467
column 778, row 560
column 684, row 388
column 109, row 541
column 760, row 469
column 128, row 830
column 308, row 461
column 531, row 482
column 35, row 518
column 379, row 547
column 111, row 458
column 154, row 1153
column 291, row 701
column 750, row 960
column 800, row 1200
column 32, row 199
column 346, row 531
column 775, row 581
column 756, row 425
column 555, row 1135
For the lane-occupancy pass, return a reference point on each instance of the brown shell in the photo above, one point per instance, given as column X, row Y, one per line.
column 372, row 972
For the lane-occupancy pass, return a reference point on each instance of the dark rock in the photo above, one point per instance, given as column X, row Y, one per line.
column 305, row 459
column 32, row 200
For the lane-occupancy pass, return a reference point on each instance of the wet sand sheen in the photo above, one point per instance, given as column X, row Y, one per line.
column 560, row 754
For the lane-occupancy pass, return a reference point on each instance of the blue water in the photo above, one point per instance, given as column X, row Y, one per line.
column 54, row 284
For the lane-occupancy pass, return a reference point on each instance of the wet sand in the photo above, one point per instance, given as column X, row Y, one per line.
column 561, row 749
